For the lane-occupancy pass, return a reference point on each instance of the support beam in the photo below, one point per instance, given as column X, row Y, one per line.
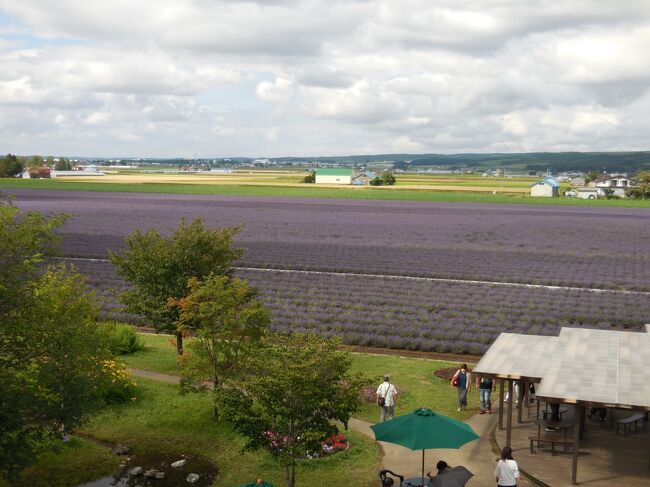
column 509, row 418
column 500, row 405
column 520, row 401
column 577, row 420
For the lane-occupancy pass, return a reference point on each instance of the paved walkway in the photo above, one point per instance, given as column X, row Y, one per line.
column 477, row 456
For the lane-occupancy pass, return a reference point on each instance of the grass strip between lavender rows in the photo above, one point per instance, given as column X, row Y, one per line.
column 388, row 194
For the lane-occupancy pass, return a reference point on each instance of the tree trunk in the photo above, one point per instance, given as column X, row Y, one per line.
column 179, row 343
column 286, row 476
column 215, row 410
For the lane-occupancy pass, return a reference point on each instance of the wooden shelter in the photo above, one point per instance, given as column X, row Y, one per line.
column 582, row 367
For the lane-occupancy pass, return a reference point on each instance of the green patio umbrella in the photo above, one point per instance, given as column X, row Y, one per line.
column 423, row 429
column 264, row 483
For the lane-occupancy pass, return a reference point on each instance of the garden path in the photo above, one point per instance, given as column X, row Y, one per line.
column 477, row 456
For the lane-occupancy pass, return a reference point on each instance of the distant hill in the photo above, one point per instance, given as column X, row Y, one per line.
column 531, row 161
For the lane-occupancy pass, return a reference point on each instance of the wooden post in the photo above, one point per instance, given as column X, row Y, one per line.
column 509, row 418
column 501, row 405
column 580, row 412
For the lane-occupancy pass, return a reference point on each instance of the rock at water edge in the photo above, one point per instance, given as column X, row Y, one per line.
column 180, row 463
column 135, row 471
column 193, row 477
column 121, row 449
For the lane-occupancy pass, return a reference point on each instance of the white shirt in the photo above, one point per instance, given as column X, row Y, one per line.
column 507, row 472
column 387, row 391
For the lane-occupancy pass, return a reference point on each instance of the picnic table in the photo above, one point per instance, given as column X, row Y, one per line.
column 551, row 439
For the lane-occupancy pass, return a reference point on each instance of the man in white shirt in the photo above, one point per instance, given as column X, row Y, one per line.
column 386, row 398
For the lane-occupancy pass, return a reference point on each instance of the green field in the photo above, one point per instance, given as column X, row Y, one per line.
column 313, row 192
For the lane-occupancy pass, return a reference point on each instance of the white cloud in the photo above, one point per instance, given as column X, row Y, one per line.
column 117, row 77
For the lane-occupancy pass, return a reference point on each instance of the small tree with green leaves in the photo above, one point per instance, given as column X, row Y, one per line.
column 310, row 178
column 159, row 269
column 63, row 164
column 229, row 320
column 290, row 392
column 643, row 183
column 10, row 166
column 388, row 178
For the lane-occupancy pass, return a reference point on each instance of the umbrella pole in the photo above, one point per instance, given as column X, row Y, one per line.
column 422, row 467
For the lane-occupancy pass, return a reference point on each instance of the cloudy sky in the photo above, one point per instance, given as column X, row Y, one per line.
column 217, row 78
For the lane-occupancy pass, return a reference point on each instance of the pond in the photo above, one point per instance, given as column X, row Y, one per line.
column 162, row 463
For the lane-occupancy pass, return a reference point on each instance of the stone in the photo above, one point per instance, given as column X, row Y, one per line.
column 136, row 471
column 154, row 474
column 121, row 449
column 180, row 463
column 193, row 477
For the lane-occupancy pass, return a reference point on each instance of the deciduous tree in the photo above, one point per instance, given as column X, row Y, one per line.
column 51, row 360
column 643, row 183
column 290, row 392
column 10, row 166
column 159, row 269
column 228, row 320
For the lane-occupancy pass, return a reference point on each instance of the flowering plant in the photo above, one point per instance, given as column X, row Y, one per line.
column 335, row 443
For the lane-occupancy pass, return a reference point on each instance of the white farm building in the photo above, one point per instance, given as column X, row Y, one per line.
column 547, row 187
column 333, row 176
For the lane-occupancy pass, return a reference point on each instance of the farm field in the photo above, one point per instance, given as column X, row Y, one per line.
column 425, row 189
column 368, row 266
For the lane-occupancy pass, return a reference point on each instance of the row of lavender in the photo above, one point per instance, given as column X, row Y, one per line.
column 582, row 247
column 415, row 314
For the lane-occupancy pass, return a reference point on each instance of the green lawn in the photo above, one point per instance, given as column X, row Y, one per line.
column 70, row 464
column 413, row 375
column 163, row 421
column 159, row 354
column 312, row 192
column 415, row 378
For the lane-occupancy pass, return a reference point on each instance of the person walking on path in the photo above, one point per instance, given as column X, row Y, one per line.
column 461, row 381
column 386, row 399
column 507, row 470
column 485, row 387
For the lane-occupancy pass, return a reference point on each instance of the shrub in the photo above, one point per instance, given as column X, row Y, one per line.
column 120, row 338
column 115, row 384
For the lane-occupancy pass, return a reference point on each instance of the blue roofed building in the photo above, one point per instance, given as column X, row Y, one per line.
column 547, row 187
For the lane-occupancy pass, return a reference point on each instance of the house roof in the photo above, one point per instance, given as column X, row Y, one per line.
column 602, row 367
column 551, row 181
column 334, row 171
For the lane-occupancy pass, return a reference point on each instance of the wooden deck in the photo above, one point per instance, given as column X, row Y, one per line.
column 605, row 458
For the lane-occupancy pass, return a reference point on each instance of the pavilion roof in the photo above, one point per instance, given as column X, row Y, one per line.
column 599, row 367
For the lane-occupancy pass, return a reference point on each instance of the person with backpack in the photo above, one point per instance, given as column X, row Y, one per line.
column 485, row 387
column 386, row 399
column 461, row 381
column 507, row 470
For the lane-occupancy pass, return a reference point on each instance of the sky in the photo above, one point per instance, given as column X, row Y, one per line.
column 173, row 78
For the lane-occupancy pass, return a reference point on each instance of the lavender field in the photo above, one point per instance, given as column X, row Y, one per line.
column 413, row 314
column 602, row 248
